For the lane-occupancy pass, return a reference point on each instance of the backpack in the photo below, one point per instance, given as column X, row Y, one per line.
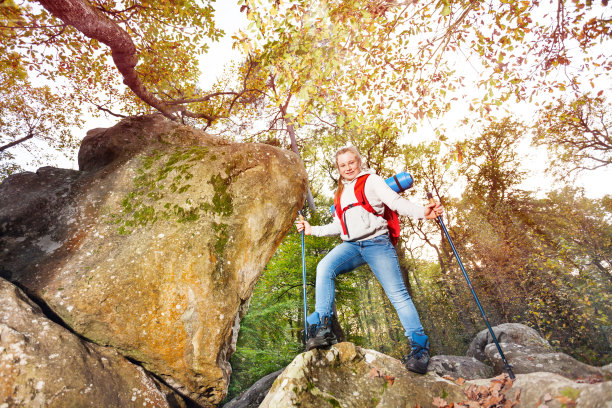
column 391, row 216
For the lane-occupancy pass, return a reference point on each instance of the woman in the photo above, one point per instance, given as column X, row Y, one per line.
column 366, row 240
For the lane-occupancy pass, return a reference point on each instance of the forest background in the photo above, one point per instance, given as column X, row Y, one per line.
column 473, row 98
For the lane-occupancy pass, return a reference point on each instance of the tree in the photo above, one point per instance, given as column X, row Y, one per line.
column 491, row 163
column 543, row 262
column 362, row 63
column 578, row 132
column 31, row 116
column 118, row 58
column 73, row 39
column 398, row 60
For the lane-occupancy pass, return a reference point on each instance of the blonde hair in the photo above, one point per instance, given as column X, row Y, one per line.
column 347, row 149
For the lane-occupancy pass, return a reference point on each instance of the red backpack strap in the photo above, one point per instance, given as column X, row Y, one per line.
column 339, row 211
column 360, row 194
column 361, row 200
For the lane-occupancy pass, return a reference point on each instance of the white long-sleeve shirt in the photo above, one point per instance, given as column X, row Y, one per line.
column 360, row 223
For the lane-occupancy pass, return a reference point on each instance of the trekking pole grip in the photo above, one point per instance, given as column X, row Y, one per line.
column 432, row 201
column 430, row 198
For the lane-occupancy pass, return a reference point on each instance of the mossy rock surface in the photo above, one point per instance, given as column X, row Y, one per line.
column 349, row 376
column 44, row 365
column 155, row 246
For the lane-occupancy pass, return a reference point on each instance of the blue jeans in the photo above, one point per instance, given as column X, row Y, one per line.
column 380, row 255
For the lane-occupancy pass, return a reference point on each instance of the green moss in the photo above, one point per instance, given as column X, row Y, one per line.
column 144, row 215
column 570, row 392
column 184, row 188
column 147, row 161
column 123, row 231
column 444, row 394
column 309, row 386
column 139, row 208
column 334, row 402
column 183, row 215
column 222, row 237
column 374, row 401
column 222, row 200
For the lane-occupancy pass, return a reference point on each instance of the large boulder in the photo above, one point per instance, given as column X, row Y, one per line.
column 548, row 390
column 460, row 367
column 527, row 352
column 155, row 245
column 523, row 360
column 254, row 396
column 44, row 365
column 349, row 376
column 507, row 333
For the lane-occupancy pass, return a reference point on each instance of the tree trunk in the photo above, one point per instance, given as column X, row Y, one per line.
column 291, row 131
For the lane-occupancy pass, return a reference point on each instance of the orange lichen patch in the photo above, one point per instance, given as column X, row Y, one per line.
column 8, row 373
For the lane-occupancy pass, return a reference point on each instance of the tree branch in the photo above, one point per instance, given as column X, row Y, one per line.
column 18, row 141
column 92, row 23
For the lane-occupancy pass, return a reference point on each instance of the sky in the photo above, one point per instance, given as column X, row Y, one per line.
column 228, row 17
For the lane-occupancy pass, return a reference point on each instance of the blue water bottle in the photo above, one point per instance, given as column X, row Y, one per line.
column 398, row 183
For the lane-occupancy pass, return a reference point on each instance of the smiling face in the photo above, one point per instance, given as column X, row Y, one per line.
column 349, row 165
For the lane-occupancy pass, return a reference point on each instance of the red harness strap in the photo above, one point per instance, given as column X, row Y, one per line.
column 389, row 215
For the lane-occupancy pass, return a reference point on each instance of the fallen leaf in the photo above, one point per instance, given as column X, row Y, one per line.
column 448, row 377
column 439, row 402
column 374, row 373
column 390, row 379
column 460, row 381
column 568, row 402
column 492, row 401
column 496, row 388
column 593, row 379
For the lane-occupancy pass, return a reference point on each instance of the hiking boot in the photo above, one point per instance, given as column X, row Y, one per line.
column 417, row 361
column 321, row 335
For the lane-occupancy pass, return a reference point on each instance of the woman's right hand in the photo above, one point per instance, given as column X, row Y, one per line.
column 303, row 225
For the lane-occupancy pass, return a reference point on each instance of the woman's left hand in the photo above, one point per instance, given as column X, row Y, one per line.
column 433, row 210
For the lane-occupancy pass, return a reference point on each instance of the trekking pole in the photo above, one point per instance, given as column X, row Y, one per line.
column 507, row 366
column 304, row 283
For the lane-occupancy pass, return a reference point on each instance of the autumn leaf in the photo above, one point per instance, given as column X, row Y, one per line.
column 439, row 402
column 568, row 402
